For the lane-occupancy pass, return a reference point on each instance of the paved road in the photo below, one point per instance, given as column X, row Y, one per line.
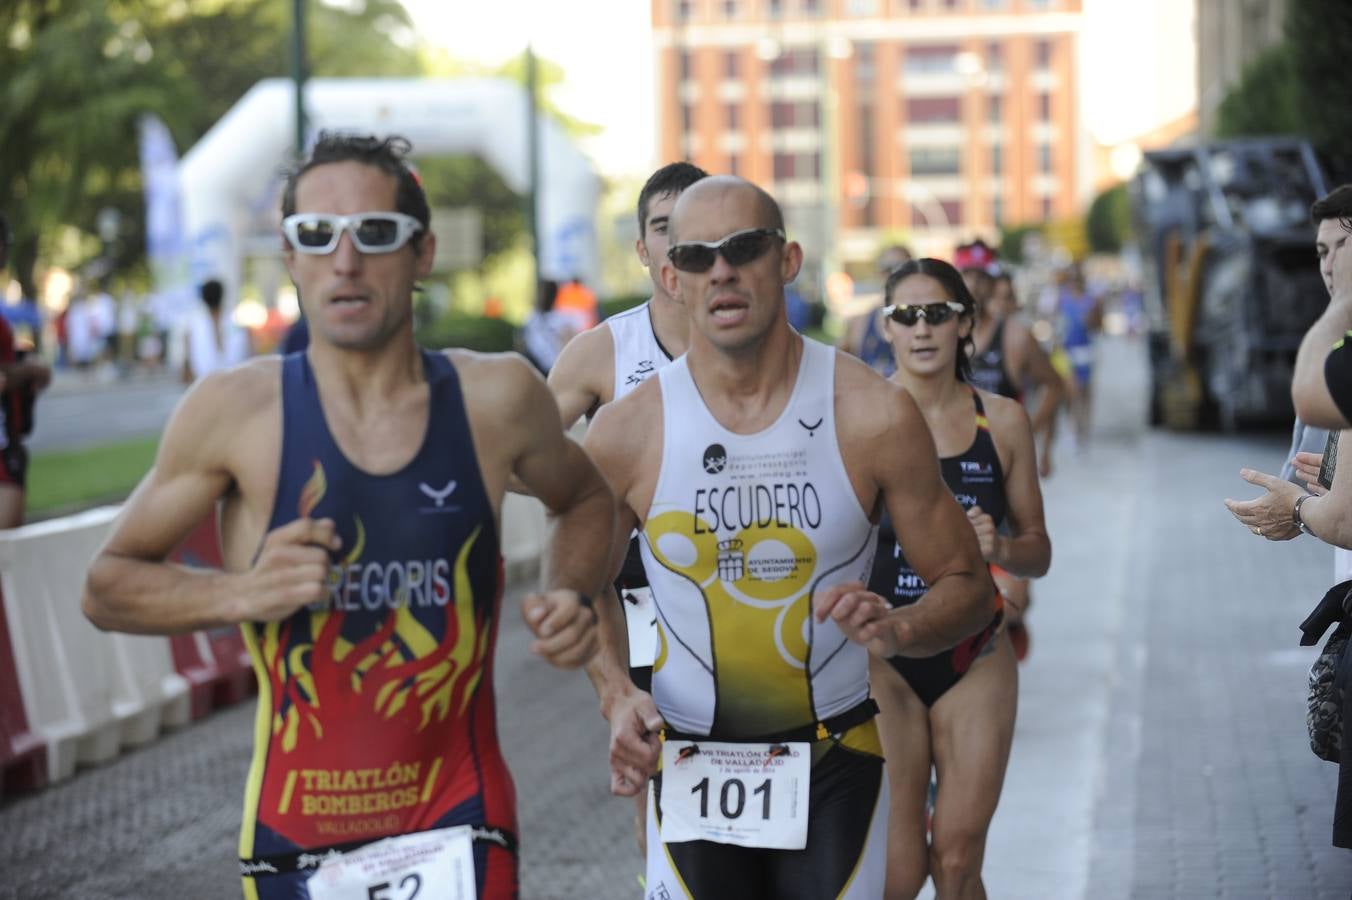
column 1160, row 750
column 76, row 413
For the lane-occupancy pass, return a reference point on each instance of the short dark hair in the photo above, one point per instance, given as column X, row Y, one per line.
column 957, row 290
column 1337, row 204
column 670, row 179
column 388, row 154
column 212, row 292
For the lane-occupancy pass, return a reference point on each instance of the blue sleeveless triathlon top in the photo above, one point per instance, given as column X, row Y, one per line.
column 375, row 707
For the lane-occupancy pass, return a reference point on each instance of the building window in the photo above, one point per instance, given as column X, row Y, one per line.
column 729, row 9
column 995, row 57
column 936, row 160
column 795, row 61
column 950, row 5
column 1042, row 55
column 863, row 7
column 865, row 67
column 917, row 5
column 993, row 5
column 797, row 166
column 790, row 114
column 1046, row 208
column 931, row 110
column 936, row 214
column 994, row 109
column 1044, row 107
column 776, row 8
column 732, row 111
column 1039, row 4
column 685, row 10
column 1044, row 159
column 998, row 210
column 812, row 7
column 687, row 118
column 734, row 165
column 997, row 160
column 730, row 65
column 686, row 65
column 932, row 59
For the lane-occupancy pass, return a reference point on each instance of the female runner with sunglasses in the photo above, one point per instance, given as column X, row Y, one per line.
column 954, row 711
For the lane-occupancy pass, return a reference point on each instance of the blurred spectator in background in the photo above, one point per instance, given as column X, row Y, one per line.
column 578, row 302
column 214, row 340
column 22, row 376
column 548, row 328
column 84, row 340
column 864, row 335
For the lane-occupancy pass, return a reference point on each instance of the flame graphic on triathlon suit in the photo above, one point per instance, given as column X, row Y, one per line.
column 395, row 696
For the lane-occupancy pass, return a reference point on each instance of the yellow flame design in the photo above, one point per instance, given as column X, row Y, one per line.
column 313, row 492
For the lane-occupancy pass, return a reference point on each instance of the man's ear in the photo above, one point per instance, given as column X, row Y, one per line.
column 426, row 253
column 641, row 248
column 670, row 280
column 792, row 261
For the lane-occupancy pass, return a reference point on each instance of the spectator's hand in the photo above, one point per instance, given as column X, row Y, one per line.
column 1268, row 516
column 1307, row 467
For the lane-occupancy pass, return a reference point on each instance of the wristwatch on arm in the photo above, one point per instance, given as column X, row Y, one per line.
column 1295, row 515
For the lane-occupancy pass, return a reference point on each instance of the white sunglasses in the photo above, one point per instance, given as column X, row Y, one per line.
column 372, row 232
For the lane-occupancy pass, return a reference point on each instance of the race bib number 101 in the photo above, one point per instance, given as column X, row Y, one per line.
column 430, row 865
column 753, row 795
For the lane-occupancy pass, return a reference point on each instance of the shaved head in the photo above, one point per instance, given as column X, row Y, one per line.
column 720, row 189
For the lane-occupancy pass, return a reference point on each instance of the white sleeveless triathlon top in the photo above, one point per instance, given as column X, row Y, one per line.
column 638, row 353
column 742, row 531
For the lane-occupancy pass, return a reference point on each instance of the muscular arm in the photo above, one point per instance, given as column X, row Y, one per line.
column 1026, row 551
column 552, row 467
column 583, row 376
column 616, row 441
column 130, row 587
column 940, row 544
column 1309, row 391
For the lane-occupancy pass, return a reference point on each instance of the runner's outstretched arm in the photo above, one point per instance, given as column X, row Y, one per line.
column 614, row 441
column 551, row 466
column 939, row 541
column 131, row 588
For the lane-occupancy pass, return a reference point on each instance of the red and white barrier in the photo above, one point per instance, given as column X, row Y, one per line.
column 87, row 694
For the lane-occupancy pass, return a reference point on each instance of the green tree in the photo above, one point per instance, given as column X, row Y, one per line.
column 1266, row 100
column 1320, row 35
column 1109, row 220
column 459, row 181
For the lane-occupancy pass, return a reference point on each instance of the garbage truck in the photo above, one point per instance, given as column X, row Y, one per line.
column 1230, row 277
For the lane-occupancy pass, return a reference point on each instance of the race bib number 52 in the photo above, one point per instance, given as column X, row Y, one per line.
column 430, row 865
column 753, row 795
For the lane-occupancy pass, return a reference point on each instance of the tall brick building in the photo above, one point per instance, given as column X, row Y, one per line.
column 939, row 118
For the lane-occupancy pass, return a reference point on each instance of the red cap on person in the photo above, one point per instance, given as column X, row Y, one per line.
column 976, row 255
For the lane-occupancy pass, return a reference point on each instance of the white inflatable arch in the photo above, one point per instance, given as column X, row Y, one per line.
column 231, row 178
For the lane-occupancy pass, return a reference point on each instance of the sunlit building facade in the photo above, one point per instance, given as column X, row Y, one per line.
column 870, row 119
